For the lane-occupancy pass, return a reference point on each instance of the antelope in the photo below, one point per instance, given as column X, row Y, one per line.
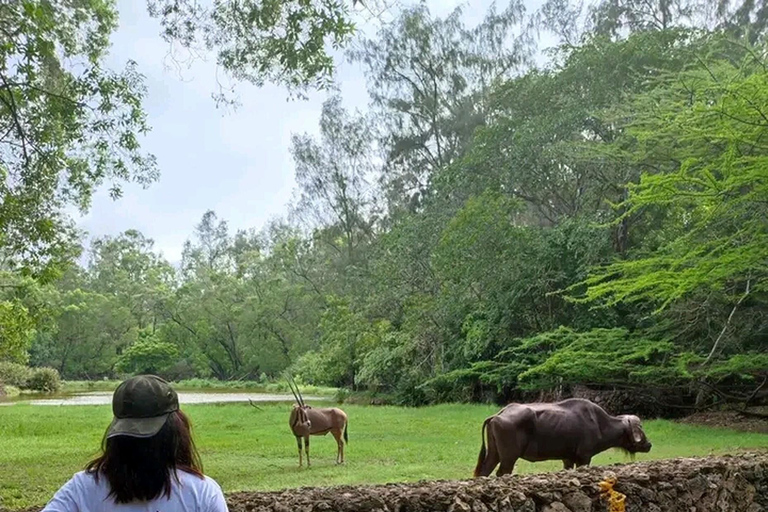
column 306, row 421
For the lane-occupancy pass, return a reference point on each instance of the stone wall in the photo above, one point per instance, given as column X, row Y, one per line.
column 722, row 484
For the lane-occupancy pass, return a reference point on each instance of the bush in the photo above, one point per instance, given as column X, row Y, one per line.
column 148, row 355
column 14, row 374
column 11, row 391
column 341, row 395
column 45, row 380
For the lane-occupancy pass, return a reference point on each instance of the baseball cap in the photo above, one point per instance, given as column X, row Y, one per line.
column 141, row 405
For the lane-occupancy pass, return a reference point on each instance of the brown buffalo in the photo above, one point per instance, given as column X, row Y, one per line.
column 574, row 431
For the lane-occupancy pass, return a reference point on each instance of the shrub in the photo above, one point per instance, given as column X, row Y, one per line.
column 342, row 394
column 11, row 391
column 147, row 355
column 45, row 380
column 14, row 374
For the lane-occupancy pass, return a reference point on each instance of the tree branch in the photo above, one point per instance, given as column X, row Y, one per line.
column 727, row 323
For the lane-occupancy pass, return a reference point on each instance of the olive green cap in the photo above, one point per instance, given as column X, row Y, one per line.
column 141, row 406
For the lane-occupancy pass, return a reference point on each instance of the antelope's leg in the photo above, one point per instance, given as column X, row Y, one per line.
column 339, row 446
column 298, row 442
column 306, row 447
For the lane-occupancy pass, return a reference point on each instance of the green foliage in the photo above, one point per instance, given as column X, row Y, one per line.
column 748, row 366
column 489, row 231
column 285, row 42
column 9, row 391
column 596, row 357
column 346, row 337
column 14, row 374
column 69, row 125
column 16, row 331
column 45, row 380
column 714, row 186
column 427, row 77
column 147, row 355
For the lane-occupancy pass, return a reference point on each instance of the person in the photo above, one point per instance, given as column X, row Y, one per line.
column 149, row 462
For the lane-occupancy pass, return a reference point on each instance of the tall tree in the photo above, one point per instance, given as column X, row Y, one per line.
column 67, row 125
column 334, row 176
column 427, row 77
column 702, row 265
column 127, row 268
column 281, row 41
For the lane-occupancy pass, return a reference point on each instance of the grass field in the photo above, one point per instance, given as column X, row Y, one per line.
column 246, row 449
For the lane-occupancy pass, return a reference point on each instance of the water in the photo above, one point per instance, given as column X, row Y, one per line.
column 185, row 397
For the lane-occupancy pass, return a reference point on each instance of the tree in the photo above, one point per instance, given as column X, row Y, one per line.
column 126, row 267
column 90, row 332
column 427, row 78
column 575, row 23
column 285, row 42
column 531, row 147
column 67, row 125
column 333, row 175
column 700, row 135
column 147, row 355
column 16, row 331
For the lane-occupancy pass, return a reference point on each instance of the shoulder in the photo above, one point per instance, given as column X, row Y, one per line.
column 200, row 482
column 207, row 491
column 204, row 486
column 85, row 480
column 77, row 493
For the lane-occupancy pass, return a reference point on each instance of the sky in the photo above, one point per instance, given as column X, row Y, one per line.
column 236, row 163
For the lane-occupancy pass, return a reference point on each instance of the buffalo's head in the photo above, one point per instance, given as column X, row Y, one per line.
column 634, row 438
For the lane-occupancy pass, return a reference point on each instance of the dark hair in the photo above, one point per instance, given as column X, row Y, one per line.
column 141, row 468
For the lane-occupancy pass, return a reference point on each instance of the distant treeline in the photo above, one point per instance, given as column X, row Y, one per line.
column 489, row 230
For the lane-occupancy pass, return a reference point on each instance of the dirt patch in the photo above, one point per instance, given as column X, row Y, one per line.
column 722, row 484
column 729, row 419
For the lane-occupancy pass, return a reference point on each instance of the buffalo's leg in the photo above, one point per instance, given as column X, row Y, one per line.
column 513, row 447
column 306, row 448
column 506, row 467
column 568, row 464
column 298, row 441
column 491, row 456
column 583, row 461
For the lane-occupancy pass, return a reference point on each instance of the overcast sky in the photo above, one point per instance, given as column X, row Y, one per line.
column 235, row 163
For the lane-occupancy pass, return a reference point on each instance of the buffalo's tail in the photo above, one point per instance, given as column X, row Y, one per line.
column 481, row 457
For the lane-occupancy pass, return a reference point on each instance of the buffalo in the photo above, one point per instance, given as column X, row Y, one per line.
column 573, row 430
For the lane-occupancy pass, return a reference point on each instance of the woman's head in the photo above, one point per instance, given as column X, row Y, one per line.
column 148, row 440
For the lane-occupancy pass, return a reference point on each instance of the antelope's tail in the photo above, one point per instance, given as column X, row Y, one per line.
column 346, row 439
column 481, row 457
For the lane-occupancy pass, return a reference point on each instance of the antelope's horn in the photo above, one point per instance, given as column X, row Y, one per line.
column 253, row 404
column 299, row 392
column 288, row 380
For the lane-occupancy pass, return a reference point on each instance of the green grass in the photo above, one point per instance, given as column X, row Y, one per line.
column 245, row 449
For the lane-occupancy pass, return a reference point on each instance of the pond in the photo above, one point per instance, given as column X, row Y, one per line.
column 185, row 397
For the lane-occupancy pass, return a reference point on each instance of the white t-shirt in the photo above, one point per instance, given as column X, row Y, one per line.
column 84, row 494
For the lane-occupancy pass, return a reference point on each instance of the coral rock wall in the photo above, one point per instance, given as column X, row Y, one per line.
column 736, row 483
